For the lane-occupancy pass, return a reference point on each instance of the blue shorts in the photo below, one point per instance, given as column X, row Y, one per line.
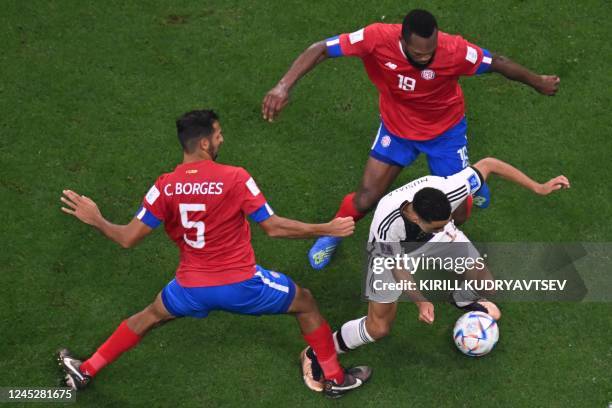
column 446, row 154
column 267, row 292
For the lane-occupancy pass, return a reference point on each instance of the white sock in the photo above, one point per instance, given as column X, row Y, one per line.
column 351, row 335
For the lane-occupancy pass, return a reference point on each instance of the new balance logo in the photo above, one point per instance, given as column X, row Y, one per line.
column 391, row 65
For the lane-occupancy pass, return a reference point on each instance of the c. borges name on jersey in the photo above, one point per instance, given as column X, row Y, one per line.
column 207, row 187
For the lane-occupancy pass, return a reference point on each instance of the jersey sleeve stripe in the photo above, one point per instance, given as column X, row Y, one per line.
column 386, row 231
column 383, row 232
column 485, row 64
column 451, row 196
column 333, row 47
column 385, row 220
column 454, row 191
column 262, row 213
column 147, row 218
column 458, row 197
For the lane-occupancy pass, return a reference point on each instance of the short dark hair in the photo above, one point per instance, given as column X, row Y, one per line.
column 193, row 126
column 419, row 22
column 431, row 204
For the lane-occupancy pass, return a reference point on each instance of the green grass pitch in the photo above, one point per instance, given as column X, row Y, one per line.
column 89, row 92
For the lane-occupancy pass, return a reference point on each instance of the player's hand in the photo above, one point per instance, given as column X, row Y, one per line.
column 274, row 101
column 548, row 84
column 341, row 227
column 426, row 312
column 555, row 184
column 81, row 207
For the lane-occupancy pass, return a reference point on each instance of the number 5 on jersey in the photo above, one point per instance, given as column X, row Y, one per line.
column 199, row 226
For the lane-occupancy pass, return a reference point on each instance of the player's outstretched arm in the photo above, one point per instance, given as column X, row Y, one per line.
column 544, row 84
column 280, row 227
column 276, row 99
column 491, row 165
column 86, row 210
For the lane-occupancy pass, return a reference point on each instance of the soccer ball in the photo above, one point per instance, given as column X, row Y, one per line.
column 475, row 334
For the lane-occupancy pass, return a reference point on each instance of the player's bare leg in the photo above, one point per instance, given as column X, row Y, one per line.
column 381, row 317
column 318, row 335
column 367, row 329
column 469, row 300
column 151, row 317
column 377, row 177
column 305, row 309
column 78, row 374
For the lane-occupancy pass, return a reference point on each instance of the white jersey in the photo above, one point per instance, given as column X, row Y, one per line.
column 388, row 225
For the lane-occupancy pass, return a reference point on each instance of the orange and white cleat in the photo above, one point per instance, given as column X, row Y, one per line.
column 311, row 371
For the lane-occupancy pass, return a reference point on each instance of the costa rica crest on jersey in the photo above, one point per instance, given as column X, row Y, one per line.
column 428, row 74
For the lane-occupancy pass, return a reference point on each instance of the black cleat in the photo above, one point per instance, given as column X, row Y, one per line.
column 474, row 306
column 354, row 378
column 74, row 378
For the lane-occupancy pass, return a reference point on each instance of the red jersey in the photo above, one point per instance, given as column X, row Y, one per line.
column 414, row 104
column 203, row 206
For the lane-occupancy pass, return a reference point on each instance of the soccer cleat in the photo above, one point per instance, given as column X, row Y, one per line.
column 322, row 251
column 478, row 305
column 311, row 371
column 354, row 378
column 473, row 306
column 482, row 197
column 74, row 378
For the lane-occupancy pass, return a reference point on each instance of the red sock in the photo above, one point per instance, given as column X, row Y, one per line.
column 119, row 342
column 469, row 203
column 347, row 208
column 322, row 344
